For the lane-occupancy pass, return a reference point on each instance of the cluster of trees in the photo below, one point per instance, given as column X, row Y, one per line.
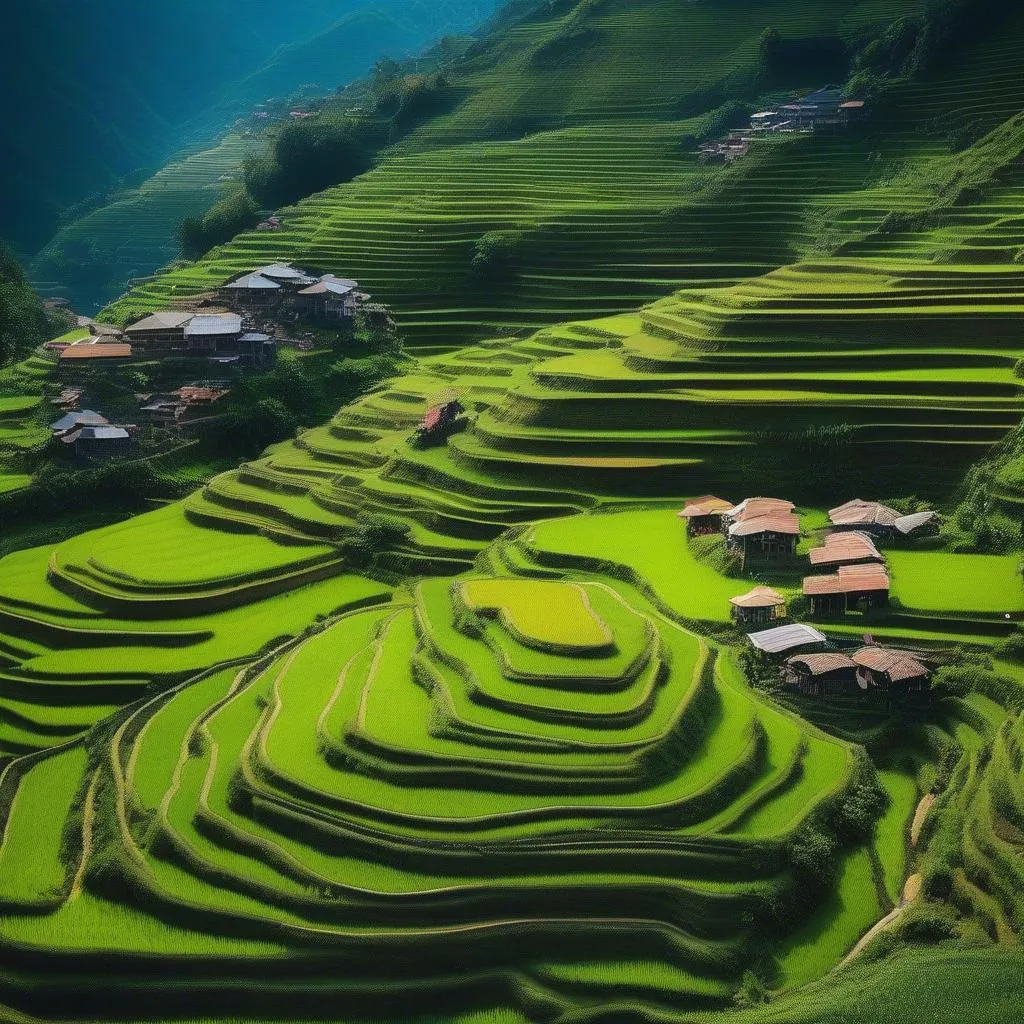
column 24, row 323
column 235, row 213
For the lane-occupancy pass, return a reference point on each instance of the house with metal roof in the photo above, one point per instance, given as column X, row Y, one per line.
column 210, row 333
column 95, row 444
column 782, row 639
column 250, row 291
column 74, row 420
column 159, row 334
column 331, row 298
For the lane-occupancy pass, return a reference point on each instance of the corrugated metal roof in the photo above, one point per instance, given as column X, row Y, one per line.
column 331, row 286
column 214, row 323
column 907, row 524
column 167, row 319
column 845, row 547
column 254, row 282
column 87, row 417
column 103, row 434
column 785, row 638
column 759, row 597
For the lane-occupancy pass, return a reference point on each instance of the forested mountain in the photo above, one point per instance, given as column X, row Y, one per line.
column 91, row 93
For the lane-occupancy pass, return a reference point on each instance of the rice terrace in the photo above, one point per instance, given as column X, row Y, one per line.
column 545, row 546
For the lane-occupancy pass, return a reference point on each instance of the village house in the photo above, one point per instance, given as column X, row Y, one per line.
column 845, row 549
column 330, row 298
column 251, row 292
column 73, row 420
column 762, row 529
column 208, row 334
column 68, row 399
column 159, row 334
column 704, row 515
column 797, row 636
column 188, row 403
column 890, row 669
column 851, row 588
column 88, row 355
column 879, row 520
column 288, row 277
column 824, row 674
column 758, row 607
column 96, row 444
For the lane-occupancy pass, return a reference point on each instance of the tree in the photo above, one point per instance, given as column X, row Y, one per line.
column 234, row 213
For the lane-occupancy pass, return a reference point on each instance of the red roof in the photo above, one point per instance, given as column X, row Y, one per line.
column 433, row 417
column 897, row 665
column 849, row 579
column 750, row 507
column 845, row 547
column 822, row 664
column 98, row 351
column 778, row 522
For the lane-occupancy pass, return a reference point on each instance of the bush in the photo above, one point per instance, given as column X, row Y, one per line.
column 496, row 255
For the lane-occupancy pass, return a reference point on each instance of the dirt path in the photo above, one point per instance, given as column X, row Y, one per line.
column 88, row 820
column 911, row 891
column 923, row 809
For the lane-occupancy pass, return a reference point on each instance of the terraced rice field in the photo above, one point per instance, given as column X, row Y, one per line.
column 22, row 435
column 446, row 793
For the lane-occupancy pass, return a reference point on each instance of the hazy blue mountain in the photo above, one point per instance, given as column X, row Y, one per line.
column 90, row 93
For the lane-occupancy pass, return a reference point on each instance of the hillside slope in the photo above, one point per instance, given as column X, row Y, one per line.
column 576, row 147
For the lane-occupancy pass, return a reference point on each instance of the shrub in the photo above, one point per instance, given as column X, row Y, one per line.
column 234, row 213
column 496, row 255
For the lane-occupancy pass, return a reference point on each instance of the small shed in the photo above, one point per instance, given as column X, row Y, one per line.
column 825, row 674
column 782, row 639
column 758, row 606
column 704, row 515
column 851, row 588
column 762, row 529
column 890, row 669
column 442, row 419
column 331, row 298
column 845, row 548
column 868, row 516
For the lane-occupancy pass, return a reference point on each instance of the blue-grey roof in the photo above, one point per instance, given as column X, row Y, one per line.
column 254, row 282
column 785, row 638
column 78, row 419
column 104, row 434
column 255, row 336
column 214, row 323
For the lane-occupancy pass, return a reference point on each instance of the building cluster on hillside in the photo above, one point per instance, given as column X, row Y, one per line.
column 850, row 574
column 238, row 325
column 821, row 110
column 185, row 405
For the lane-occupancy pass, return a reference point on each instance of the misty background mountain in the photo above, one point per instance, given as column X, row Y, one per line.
column 97, row 96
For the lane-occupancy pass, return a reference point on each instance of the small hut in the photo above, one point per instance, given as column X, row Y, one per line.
column 757, row 607
column 704, row 515
column 442, row 419
column 827, row 674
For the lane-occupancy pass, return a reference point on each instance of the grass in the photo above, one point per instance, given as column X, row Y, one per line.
column 933, row 581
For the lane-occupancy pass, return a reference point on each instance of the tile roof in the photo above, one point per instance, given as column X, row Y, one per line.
column 759, row 597
column 822, row 664
column 778, row 522
column 99, row 350
column 759, row 507
column 845, row 547
column 785, row 638
column 897, row 665
column 848, row 579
